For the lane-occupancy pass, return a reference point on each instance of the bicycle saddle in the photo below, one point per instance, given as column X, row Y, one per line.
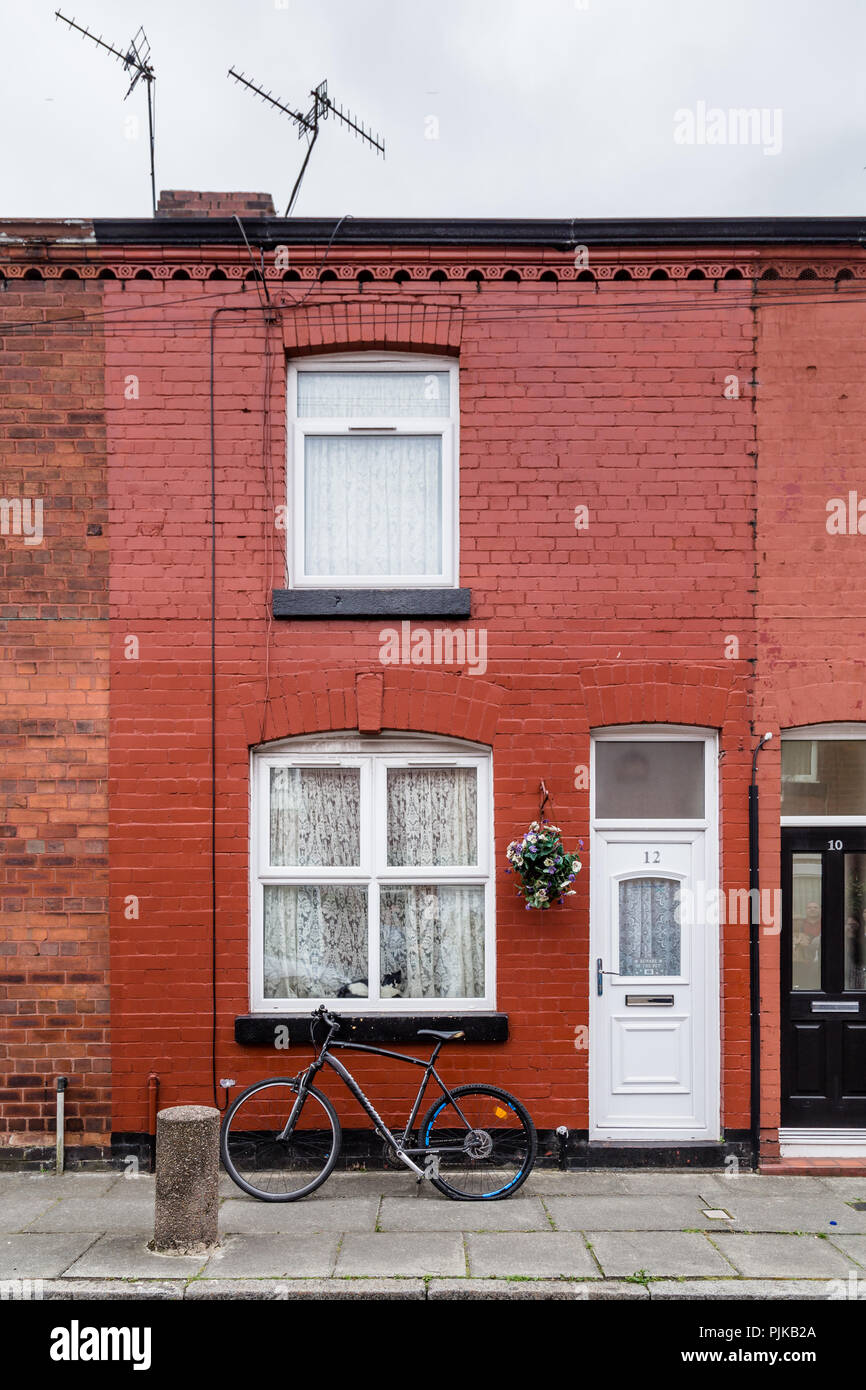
column 445, row 1037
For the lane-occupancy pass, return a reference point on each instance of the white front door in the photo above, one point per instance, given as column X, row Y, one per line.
column 654, row 1017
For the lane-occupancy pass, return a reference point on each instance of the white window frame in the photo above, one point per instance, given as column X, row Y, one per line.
column 373, row 755
column 659, row 733
column 446, row 426
column 818, row 733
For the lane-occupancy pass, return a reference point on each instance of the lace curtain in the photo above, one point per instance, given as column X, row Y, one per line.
column 432, row 940
column 373, row 504
column 372, row 395
column 315, row 816
column 649, row 927
column 315, row 940
column 432, row 816
column 433, row 936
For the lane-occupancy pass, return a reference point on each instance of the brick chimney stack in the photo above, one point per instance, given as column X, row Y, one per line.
column 177, row 202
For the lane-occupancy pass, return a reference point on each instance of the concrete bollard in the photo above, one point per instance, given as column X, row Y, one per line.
column 187, row 1180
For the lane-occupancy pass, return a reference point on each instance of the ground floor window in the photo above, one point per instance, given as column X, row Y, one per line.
column 371, row 874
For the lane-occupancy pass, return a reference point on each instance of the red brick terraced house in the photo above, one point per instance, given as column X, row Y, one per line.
column 322, row 554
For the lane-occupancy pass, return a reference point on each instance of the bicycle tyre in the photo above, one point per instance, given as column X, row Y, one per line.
column 467, row 1171
column 298, row 1159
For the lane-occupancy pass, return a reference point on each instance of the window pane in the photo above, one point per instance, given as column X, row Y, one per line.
column 649, row 927
column 315, row 816
column 642, row 779
column 373, row 505
column 855, row 921
column 373, row 395
column 432, row 942
column 315, row 941
column 806, row 922
column 432, row 815
column 823, row 777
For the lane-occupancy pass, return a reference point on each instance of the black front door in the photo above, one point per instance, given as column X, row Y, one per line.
column 824, row 977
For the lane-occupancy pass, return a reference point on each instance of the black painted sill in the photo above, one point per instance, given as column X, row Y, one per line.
column 259, row 1030
column 372, row 603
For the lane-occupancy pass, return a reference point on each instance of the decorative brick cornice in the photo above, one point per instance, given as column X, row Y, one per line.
column 467, row 268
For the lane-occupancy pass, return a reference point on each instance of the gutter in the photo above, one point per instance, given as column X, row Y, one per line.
column 755, row 959
column 561, row 234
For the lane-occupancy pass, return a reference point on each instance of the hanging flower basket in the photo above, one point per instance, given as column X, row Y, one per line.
column 545, row 869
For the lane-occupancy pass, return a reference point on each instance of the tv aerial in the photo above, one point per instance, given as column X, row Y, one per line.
column 308, row 124
column 136, row 61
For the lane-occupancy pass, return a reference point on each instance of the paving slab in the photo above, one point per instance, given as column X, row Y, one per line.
column 340, row 1184
column 622, row 1253
column 766, row 1184
column 783, row 1256
column 852, row 1189
column 18, row 1209
column 405, row 1214
column 126, row 1212
column 127, row 1257
column 750, row 1290
column 406, row 1255
column 610, row 1182
column 311, row 1290
column 545, row 1255
column 624, row 1213
column 486, row 1290
column 41, row 1256
column 81, row 1184
column 852, row 1245
column 299, row 1218
column 793, row 1213
column 273, row 1257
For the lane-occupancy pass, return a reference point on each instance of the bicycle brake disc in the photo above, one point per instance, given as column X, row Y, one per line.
column 478, row 1144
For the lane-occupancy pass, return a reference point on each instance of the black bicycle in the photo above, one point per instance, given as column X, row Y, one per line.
column 281, row 1138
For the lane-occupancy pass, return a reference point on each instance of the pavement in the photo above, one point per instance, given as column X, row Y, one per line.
column 379, row 1235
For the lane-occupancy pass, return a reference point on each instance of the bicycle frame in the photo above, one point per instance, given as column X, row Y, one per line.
column 400, row 1145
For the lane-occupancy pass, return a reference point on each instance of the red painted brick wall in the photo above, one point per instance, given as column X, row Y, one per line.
column 811, row 417
column 609, row 397
column 567, row 398
column 53, row 719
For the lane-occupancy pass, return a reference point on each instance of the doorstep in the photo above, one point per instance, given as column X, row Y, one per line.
column 816, row 1167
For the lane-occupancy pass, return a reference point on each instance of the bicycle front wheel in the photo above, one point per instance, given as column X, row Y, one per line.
column 483, row 1142
column 267, row 1166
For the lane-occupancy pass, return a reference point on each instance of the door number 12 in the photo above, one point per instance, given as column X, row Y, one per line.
column 652, row 856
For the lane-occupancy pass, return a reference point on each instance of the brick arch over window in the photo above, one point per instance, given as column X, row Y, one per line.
column 422, row 701
column 358, row 324
column 826, row 692
column 660, row 693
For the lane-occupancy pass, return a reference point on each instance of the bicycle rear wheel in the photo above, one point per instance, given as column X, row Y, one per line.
column 274, row 1169
column 484, row 1141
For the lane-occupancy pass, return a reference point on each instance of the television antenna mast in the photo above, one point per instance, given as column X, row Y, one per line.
column 308, row 123
column 136, row 60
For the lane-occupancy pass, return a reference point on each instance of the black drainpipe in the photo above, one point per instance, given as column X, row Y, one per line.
column 755, row 956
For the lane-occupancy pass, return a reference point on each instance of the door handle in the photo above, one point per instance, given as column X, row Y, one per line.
column 600, row 973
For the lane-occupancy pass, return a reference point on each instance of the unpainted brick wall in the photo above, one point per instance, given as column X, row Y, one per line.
column 54, row 1009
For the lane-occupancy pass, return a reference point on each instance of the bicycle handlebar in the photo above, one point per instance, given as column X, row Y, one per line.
column 330, row 1019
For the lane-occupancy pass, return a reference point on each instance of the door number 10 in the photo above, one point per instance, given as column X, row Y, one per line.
column 834, row 844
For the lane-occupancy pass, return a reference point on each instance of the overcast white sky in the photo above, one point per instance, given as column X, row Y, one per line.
column 545, row 108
